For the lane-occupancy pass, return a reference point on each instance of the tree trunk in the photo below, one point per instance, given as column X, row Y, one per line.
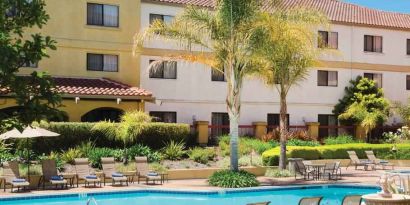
column 234, row 140
column 283, row 125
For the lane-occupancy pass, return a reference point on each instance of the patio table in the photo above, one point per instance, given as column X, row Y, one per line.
column 317, row 170
column 69, row 177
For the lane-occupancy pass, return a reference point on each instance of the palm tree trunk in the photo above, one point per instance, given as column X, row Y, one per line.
column 233, row 102
column 283, row 126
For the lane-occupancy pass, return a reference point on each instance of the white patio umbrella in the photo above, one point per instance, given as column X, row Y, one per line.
column 28, row 133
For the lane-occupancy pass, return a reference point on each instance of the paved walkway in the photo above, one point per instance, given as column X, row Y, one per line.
column 350, row 176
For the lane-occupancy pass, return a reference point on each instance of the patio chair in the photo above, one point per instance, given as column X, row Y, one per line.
column 329, row 171
column 310, row 200
column 260, row 203
column 50, row 174
column 82, row 170
column 352, row 200
column 108, row 165
column 354, row 160
column 370, row 155
column 338, row 170
column 143, row 171
column 11, row 175
column 301, row 169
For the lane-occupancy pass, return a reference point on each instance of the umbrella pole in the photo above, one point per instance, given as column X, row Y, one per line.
column 28, row 161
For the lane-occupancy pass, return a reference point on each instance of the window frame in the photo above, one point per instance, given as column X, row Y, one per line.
column 163, row 70
column 373, row 44
column 327, row 78
column 408, row 46
column 372, row 78
column 214, row 78
column 103, row 14
column 161, row 15
column 102, row 55
column 407, row 82
column 174, row 113
column 325, row 43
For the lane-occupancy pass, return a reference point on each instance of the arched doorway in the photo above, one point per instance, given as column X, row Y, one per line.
column 103, row 114
column 10, row 112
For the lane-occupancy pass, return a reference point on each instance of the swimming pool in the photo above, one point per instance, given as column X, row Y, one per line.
column 333, row 195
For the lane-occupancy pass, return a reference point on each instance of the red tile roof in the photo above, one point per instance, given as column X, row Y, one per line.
column 94, row 87
column 336, row 10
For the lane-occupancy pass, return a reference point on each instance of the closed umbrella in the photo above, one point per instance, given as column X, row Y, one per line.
column 28, row 132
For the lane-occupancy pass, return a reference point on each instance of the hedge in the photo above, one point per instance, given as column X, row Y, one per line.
column 271, row 157
column 154, row 135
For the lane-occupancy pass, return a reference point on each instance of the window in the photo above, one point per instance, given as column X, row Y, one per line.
column 167, row 19
column 326, row 121
column 373, row 44
column 31, row 65
column 168, row 117
column 408, row 46
column 327, row 78
column 101, row 62
column 274, row 121
column 328, row 40
column 220, row 124
column 377, row 77
column 165, row 70
column 408, row 82
column 103, row 114
column 102, row 15
column 217, row 75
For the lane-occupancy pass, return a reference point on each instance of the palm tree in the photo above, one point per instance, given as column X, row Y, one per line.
column 288, row 52
column 223, row 39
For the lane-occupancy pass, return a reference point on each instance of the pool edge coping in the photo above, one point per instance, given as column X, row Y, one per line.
column 90, row 193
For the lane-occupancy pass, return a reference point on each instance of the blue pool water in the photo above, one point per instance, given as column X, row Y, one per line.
column 333, row 195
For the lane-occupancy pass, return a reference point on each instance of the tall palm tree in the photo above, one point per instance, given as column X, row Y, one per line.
column 288, row 51
column 223, row 39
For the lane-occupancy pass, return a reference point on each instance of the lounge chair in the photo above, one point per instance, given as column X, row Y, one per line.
column 352, row 200
column 370, row 155
column 260, row 203
column 143, row 171
column 108, row 165
column 301, row 169
column 338, row 170
column 82, row 170
column 50, row 174
column 12, row 177
column 310, row 200
column 354, row 160
column 329, row 171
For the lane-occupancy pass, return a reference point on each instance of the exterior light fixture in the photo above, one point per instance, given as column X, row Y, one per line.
column 77, row 99
column 118, row 101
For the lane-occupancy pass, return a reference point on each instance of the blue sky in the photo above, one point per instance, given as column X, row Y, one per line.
column 402, row 6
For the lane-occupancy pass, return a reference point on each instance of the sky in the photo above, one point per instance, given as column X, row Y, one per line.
column 402, row 6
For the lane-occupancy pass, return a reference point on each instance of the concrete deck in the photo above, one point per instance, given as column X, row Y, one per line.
column 349, row 176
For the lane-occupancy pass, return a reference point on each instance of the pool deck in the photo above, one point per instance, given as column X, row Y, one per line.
column 350, row 176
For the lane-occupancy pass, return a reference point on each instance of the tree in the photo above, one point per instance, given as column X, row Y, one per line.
column 368, row 108
column 224, row 39
column 403, row 110
column 289, row 52
column 354, row 93
column 36, row 93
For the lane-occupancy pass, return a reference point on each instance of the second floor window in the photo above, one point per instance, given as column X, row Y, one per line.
column 102, row 15
column 377, row 77
column 408, row 46
column 101, row 62
column 165, row 70
column 328, row 39
column 167, row 19
column 408, row 82
column 373, row 44
column 327, row 78
column 217, row 75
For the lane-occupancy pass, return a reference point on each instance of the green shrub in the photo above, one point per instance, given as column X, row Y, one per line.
column 174, row 150
column 155, row 135
column 69, row 155
column 247, row 160
column 276, row 173
column 246, row 145
column 95, row 155
column 341, row 139
column 142, row 150
column 201, row 155
column 298, row 142
column 271, row 157
column 231, row 179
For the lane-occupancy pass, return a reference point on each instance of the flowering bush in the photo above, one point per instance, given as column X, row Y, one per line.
column 399, row 136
